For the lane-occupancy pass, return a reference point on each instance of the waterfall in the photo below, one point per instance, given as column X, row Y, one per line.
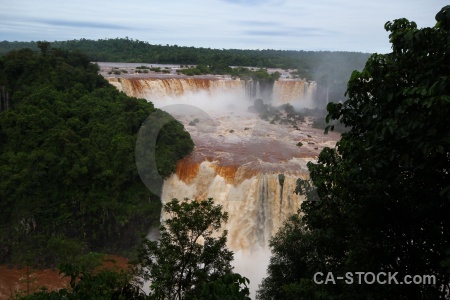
column 263, row 217
column 295, row 92
column 158, row 88
column 245, row 164
column 256, row 203
column 251, row 170
column 251, row 198
column 299, row 93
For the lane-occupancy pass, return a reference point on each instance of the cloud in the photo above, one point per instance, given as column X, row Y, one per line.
column 268, row 32
column 293, row 32
column 82, row 24
column 249, row 24
column 247, row 2
column 258, row 23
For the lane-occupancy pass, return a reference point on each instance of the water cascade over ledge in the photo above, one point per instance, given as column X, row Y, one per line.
column 246, row 164
column 295, row 92
column 256, row 202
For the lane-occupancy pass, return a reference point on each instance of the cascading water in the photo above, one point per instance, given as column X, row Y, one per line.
column 247, row 165
column 263, row 197
column 296, row 92
column 256, row 203
column 159, row 88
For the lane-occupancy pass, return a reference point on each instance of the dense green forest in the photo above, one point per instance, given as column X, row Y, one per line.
column 68, row 179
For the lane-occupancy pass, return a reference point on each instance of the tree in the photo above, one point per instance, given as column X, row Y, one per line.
column 187, row 261
column 68, row 176
column 91, row 279
column 44, row 47
column 293, row 256
column 385, row 189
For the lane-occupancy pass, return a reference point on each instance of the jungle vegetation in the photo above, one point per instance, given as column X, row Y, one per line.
column 68, row 179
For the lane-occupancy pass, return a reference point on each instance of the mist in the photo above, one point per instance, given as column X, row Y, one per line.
column 252, row 265
column 332, row 72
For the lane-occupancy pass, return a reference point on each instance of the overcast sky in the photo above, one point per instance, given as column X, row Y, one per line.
column 341, row 25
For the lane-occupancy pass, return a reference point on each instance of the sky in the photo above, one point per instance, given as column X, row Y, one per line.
column 315, row 25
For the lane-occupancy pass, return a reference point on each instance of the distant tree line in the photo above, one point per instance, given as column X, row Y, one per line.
column 314, row 65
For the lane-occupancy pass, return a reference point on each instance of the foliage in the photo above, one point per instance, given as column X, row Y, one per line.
column 260, row 75
column 384, row 190
column 188, row 262
column 229, row 286
column 68, row 179
column 319, row 121
column 294, row 253
column 89, row 279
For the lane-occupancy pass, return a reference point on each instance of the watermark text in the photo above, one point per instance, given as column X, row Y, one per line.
column 373, row 278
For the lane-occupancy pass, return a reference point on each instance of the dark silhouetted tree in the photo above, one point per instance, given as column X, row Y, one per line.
column 187, row 261
column 385, row 189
